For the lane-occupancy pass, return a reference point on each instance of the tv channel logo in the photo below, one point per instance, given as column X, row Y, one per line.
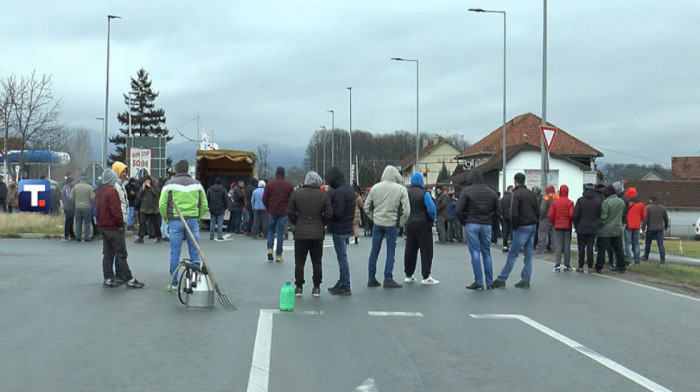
column 34, row 195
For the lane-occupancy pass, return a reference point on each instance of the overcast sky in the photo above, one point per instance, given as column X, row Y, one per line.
column 622, row 75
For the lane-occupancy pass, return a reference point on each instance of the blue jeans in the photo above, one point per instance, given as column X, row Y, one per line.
column 164, row 229
column 523, row 237
column 378, row 234
column 216, row 223
column 130, row 217
column 82, row 223
column 657, row 235
column 275, row 226
column 177, row 233
column 479, row 244
column 341, row 250
column 632, row 238
column 234, row 220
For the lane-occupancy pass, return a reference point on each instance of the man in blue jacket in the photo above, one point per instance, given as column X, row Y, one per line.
column 419, row 232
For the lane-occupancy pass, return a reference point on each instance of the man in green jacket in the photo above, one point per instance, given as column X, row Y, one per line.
column 191, row 199
column 610, row 229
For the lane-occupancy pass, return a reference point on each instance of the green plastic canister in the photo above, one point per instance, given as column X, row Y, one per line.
column 287, row 297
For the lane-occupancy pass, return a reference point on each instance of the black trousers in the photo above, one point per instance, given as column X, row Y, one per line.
column 506, row 232
column 68, row 224
column 114, row 243
column 616, row 244
column 155, row 221
column 586, row 243
column 418, row 236
column 302, row 248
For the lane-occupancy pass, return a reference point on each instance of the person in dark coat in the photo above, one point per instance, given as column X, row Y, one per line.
column 248, row 209
column 132, row 190
column 149, row 195
column 505, row 210
column 3, row 193
column 655, row 224
column 276, row 197
column 477, row 206
column 309, row 209
column 586, row 215
column 236, row 203
column 524, row 215
column 341, row 225
column 419, row 232
column 610, row 229
column 443, row 210
column 216, row 197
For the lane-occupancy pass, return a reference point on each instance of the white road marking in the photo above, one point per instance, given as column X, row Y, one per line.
column 397, row 314
column 648, row 287
column 607, row 362
column 260, row 367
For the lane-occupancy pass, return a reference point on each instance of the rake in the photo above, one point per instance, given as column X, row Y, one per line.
column 222, row 298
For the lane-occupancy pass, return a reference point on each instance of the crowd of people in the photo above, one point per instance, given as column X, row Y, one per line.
column 607, row 220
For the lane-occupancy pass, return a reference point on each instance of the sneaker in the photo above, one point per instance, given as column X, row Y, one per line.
column 505, row 249
column 430, row 280
column 278, row 258
column 579, row 269
column 219, row 239
column 498, row 284
column 119, row 281
column 298, row 291
column 269, row 254
column 556, row 268
column 523, row 285
column 134, row 284
column 211, row 238
column 340, row 290
column 391, row 284
column 109, row 283
column 316, row 291
column 410, row 279
column 475, row 286
column 166, row 239
column 567, row 268
column 172, row 287
column 138, row 240
column 158, row 240
column 373, row 283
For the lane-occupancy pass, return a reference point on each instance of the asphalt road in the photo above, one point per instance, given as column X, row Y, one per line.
column 62, row 331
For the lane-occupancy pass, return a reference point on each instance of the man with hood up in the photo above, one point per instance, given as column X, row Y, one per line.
column 585, row 221
column 419, row 232
column 342, row 198
column 388, row 207
column 309, row 209
column 110, row 219
column 477, row 206
column 610, row 229
column 561, row 215
column 636, row 214
column 216, row 198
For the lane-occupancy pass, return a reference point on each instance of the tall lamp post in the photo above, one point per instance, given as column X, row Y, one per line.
column 324, row 149
column 106, row 118
column 127, row 154
column 417, row 110
column 350, row 157
column 103, row 151
column 504, row 88
column 332, row 112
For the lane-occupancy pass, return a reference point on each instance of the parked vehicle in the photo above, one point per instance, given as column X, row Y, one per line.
column 696, row 230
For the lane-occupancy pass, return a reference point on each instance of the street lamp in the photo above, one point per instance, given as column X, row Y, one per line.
column 417, row 107
column 103, row 151
column 106, row 118
column 127, row 154
column 332, row 112
column 324, row 149
column 350, row 167
column 504, row 88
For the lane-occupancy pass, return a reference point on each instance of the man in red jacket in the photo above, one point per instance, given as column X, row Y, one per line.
column 111, row 222
column 276, row 198
column 561, row 214
column 636, row 214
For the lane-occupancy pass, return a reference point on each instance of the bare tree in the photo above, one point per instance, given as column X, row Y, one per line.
column 34, row 110
column 263, row 160
column 5, row 122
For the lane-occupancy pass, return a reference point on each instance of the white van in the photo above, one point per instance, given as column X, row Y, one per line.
column 696, row 230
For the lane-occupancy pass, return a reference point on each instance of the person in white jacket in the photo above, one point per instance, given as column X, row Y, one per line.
column 388, row 207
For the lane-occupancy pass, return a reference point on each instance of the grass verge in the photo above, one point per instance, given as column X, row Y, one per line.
column 30, row 222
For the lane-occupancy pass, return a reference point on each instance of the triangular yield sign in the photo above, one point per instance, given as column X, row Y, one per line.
column 549, row 133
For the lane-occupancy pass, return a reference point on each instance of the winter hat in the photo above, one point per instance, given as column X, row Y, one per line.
column 84, row 177
column 549, row 189
column 587, row 187
column 618, row 186
column 119, row 167
column 109, row 177
column 261, row 184
column 182, row 166
column 313, row 179
column 280, row 171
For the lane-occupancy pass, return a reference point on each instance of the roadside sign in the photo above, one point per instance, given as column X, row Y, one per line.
column 549, row 134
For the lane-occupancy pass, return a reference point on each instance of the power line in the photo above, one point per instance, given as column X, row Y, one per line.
column 647, row 159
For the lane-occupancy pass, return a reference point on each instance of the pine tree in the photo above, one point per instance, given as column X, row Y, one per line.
column 146, row 119
column 443, row 175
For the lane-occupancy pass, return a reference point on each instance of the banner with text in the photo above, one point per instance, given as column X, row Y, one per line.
column 140, row 159
column 533, row 178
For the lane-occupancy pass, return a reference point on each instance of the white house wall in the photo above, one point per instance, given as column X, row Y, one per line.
column 434, row 161
column 569, row 174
